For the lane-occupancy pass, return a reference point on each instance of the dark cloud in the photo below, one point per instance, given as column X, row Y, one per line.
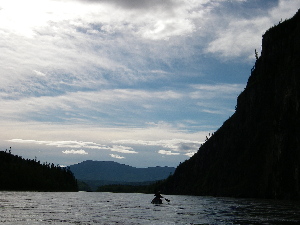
column 188, row 146
column 136, row 4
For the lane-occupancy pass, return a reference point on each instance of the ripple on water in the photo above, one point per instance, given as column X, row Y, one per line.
column 107, row 208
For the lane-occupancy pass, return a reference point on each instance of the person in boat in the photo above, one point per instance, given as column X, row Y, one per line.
column 157, row 199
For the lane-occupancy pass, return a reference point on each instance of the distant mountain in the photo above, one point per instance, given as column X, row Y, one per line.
column 256, row 152
column 97, row 173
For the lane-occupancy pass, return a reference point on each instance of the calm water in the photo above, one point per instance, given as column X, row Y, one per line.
column 108, row 208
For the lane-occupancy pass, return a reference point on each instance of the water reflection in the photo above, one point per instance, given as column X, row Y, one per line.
column 109, row 208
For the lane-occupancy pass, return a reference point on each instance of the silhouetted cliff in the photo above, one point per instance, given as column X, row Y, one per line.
column 256, row 152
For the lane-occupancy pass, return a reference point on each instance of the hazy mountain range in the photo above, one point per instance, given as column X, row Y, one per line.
column 98, row 173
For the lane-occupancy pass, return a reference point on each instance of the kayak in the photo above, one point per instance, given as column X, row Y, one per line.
column 156, row 201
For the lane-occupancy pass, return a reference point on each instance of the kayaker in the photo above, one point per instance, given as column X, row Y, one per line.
column 157, row 199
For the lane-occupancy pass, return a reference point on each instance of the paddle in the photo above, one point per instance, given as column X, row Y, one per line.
column 167, row 200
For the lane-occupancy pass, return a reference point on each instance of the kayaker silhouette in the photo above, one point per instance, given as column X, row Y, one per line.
column 158, row 197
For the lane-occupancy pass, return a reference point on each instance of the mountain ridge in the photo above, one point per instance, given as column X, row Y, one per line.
column 110, row 171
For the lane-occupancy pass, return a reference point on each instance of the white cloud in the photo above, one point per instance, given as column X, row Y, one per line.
column 39, row 73
column 122, row 149
column 78, row 38
column 230, row 42
column 164, row 152
column 141, row 16
column 153, row 20
column 100, row 141
column 69, row 44
column 116, row 156
column 114, row 103
column 285, row 10
column 190, row 154
column 77, row 152
column 177, row 145
column 63, row 144
column 78, row 144
column 211, row 111
column 206, row 91
column 83, row 41
column 238, row 36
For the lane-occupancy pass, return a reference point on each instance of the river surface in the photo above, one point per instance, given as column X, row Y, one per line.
column 110, row 208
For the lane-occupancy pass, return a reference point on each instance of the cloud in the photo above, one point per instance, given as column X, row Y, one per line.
column 63, row 144
column 238, row 35
column 78, row 144
column 190, row 154
column 74, row 46
column 123, row 149
column 211, row 111
column 164, row 152
column 135, row 16
column 116, row 156
column 78, row 152
column 230, row 42
column 116, row 105
column 208, row 91
column 177, row 145
column 136, row 4
column 86, row 42
column 146, row 141
column 154, row 20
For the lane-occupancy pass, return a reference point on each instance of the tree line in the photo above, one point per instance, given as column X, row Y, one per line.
column 126, row 188
column 18, row 174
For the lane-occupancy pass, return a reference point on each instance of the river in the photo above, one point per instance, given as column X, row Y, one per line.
column 111, row 208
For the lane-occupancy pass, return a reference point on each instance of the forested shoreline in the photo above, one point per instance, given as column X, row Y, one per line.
column 18, row 174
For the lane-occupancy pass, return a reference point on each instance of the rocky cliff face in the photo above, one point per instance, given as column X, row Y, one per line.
column 256, row 153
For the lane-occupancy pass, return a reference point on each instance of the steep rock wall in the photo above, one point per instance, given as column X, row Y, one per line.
column 256, row 153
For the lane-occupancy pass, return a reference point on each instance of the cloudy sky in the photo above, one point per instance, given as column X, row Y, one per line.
column 138, row 82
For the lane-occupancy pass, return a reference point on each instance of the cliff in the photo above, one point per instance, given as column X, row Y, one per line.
column 256, row 152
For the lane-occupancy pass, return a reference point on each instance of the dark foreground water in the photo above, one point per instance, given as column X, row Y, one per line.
column 108, row 208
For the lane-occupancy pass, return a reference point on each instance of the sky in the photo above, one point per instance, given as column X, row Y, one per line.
column 137, row 82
